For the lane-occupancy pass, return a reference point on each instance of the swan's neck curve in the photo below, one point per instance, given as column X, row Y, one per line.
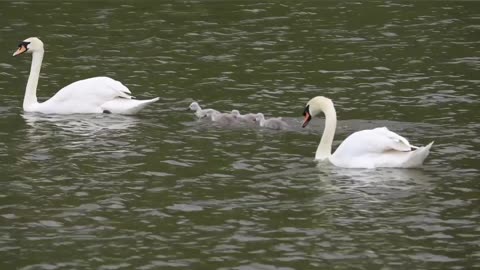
column 324, row 149
column 30, row 99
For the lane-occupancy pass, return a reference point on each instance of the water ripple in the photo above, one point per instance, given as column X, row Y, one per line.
column 163, row 190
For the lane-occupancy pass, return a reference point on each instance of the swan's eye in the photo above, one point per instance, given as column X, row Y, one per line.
column 22, row 47
column 307, row 110
column 24, row 44
column 307, row 115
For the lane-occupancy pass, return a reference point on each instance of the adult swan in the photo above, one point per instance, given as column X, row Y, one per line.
column 371, row 148
column 93, row 95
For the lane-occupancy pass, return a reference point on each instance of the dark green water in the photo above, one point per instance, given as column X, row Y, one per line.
column 162, row 190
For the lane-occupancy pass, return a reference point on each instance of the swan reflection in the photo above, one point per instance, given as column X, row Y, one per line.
column 375, row 184
column 81, row 124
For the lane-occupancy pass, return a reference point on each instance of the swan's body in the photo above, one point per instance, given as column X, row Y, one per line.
column 372, row 148
column 273, row 123
column 94, row 95
column 249, row 117
column 201, row 113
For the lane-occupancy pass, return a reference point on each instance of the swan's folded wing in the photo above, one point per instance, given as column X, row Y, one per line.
column 372, row 141
column 391, row 140
column 126, row 106
column 91, row 92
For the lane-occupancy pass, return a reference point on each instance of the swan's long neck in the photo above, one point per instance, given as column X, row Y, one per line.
column 30, row 99
column 324, row 149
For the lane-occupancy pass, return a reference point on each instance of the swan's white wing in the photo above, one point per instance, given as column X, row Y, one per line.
column 85, row 96
column 371, row 141
column 93, row 90
column 391, row 140
column 392, row 158
column 126, row 106
column 378, row 147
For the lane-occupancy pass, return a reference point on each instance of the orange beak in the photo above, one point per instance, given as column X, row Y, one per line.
column 307, row 119
column 21, row 49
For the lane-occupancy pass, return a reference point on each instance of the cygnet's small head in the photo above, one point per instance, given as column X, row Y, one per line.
column 29, row 45
column 236, row 113
column 194, row 106
column 259, row 117
column 315, row 106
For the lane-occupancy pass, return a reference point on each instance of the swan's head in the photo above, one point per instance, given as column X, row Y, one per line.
column 194, row 106
column 29, row 45
column 259, row 117
column 236, row 113
column 314, row 107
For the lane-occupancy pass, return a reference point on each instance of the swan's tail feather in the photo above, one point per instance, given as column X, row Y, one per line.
column 127, row 106
column 418, row 156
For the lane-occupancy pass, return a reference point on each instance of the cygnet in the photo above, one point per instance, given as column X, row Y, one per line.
column 224, row 118
column 201, row 113
column 249, row 117
column 273, row 123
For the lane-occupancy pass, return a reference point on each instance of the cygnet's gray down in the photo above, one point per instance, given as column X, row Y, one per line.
column 249, row 117
column 223, row 118
column 194, row 106
column 273, row 123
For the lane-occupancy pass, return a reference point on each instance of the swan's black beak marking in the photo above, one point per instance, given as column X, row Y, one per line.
column 307, row 115
column 22, row 47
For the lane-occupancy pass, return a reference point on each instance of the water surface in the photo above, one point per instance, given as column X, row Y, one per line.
column 162, row 190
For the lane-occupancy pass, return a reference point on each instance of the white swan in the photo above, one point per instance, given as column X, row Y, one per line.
column 201, row 113
column 273, row 123
column 372, row 148
column 93, row 95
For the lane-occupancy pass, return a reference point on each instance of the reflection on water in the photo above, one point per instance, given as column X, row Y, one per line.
column 88, row 124
column 374, row 184
column 369, row 176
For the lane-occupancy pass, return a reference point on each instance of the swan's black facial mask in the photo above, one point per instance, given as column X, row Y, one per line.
column 307, row 115
column 22, row 47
